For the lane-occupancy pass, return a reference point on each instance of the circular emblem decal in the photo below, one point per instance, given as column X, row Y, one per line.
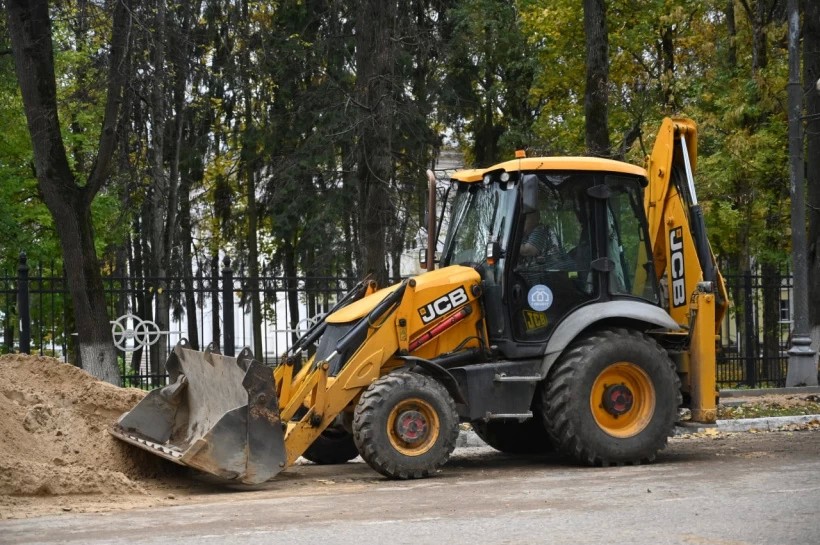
column 540, row 297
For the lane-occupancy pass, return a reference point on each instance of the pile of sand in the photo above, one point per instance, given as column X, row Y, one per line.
column 53, row 423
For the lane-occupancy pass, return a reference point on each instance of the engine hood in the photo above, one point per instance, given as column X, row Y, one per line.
column 453, row 275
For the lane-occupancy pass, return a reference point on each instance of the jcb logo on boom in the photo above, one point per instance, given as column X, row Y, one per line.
column 443, row 305
column 677, row 267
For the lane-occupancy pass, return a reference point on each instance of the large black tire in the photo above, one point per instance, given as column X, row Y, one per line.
column 405, row 425
column 334, row 446
column 612, row 398
column 514, row 437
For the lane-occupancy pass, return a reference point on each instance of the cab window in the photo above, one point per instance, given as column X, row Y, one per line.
column 626, row 241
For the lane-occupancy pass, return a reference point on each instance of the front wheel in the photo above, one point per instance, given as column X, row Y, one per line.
column 612, row 398
column 405, row 425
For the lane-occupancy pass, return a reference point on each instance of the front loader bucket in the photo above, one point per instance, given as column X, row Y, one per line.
column 219, row 415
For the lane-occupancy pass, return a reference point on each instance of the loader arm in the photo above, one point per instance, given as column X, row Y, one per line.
column 426, row 316
column 240, row 420
column 695, row 292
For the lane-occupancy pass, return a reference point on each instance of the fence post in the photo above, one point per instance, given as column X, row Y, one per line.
column 227, row 308
column 215, row 327
column 23, row 304
column 749, row 337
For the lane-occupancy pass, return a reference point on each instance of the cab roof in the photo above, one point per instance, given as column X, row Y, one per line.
column 550, row 163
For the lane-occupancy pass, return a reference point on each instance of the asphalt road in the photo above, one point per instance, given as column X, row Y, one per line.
column 745, row 488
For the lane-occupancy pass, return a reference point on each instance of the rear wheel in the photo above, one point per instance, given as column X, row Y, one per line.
column 334, row 446
column 405, row 425
column 612, row 398
column 514, row 437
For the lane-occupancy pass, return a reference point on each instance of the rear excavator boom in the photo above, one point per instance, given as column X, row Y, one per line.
column 696, row 295
column 575, row 309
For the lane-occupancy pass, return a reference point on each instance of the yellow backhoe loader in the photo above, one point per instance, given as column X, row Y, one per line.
column 576, row 308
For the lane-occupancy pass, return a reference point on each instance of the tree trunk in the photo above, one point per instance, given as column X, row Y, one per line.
column 193, row 172
column 731, row 30
column 253, row 265
column 760, row 58
column 759, row 19
column 374, row 81
column 161, row 187
column 811, row 76
column 247, row 172
column 597, row 78
column 352, row 254
column 164, row 156
column 69, row 203
column 140, row 299
column 770, row 284
column 668, row 67
column 292, row 291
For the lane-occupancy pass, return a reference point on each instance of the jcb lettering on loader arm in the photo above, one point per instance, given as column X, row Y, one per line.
column 443, row 305
column 677, row 267
column 545, row 328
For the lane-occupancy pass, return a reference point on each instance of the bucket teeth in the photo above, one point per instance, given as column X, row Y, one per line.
column 170, row 452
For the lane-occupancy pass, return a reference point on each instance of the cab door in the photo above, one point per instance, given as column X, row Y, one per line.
column 544, row 287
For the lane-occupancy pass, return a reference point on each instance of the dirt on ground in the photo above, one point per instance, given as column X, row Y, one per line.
column 56, row 454
column 53, row 423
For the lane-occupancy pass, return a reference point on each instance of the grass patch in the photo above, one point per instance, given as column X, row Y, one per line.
column 761, row 410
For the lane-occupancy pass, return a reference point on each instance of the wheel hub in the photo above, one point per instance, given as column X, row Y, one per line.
column 411, row 426
column 617, row 399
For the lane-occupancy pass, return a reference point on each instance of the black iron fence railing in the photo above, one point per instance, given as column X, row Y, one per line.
column 755, row 336
column 213, row 309
column 217, row 309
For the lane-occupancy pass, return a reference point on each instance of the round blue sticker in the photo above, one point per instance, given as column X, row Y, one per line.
column 540, row 297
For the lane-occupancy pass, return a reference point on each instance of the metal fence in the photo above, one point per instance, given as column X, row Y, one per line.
column 755, row 336
column 754, row 340
column 222, row 315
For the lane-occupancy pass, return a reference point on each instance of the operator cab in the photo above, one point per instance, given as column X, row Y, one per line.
column 547, row 236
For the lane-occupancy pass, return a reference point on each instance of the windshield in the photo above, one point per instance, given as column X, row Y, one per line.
column 480, row 214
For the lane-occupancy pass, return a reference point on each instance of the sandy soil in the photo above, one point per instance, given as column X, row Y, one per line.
column 53, row 422
column 57, row 456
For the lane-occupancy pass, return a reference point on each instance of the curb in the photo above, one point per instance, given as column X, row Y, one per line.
column 769, row 423
column 469, row 439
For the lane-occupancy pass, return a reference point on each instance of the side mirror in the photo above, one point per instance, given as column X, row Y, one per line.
column 423, row 258
column 529, row 193
column 494, row 253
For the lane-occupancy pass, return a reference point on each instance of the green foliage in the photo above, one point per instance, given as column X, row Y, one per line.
column 557, row 30
column 272, row 92
column 671, row 57
column 486, row 97
column 743, row 169
column 25, row 223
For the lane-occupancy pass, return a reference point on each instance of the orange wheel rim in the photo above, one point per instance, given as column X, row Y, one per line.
column 413, row 427
column 622, row 400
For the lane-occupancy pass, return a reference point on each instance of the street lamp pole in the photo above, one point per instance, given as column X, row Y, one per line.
column 802, row 365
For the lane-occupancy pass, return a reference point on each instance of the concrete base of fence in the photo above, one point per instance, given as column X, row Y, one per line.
column 469, row 439
column 770, row 423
